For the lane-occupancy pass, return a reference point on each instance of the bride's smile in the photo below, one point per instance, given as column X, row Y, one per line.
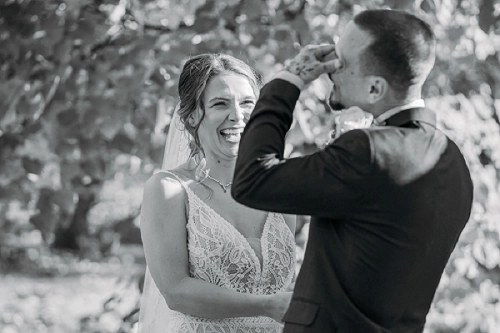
column 232, row 134
column 229, row 100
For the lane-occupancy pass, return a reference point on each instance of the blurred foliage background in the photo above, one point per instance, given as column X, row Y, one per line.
column 87, row 89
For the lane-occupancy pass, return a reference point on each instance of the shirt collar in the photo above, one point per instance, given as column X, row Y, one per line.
column 419, row 103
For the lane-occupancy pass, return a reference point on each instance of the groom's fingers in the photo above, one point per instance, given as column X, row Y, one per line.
column 330, row 56
column 332, row 66
column 326, row 54
column 322, row 50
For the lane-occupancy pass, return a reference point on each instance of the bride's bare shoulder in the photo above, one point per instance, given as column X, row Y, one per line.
column 163, row 184
column 169, row 182
column 164, row 199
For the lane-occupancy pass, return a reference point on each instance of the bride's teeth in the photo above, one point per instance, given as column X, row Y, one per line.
column 231, row 131
column 232, row 134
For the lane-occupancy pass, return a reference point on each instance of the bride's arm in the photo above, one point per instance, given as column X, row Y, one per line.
column 163, row 230
column 291, row 221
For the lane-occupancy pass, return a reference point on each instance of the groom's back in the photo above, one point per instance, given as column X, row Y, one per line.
column 377, row 269
column 421, row 202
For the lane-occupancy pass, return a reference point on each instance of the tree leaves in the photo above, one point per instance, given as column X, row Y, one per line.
column 81, row 83
column 254, row 10
column 486, row 16
column 11, row 170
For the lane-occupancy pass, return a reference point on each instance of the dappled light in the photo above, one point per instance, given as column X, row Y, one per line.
column 87, row 90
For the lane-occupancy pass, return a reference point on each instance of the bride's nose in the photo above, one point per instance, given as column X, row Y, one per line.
column 237, row 114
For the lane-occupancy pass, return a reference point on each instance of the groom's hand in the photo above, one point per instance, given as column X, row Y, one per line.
column 312, row 61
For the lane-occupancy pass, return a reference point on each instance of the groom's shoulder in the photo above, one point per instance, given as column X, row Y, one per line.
column 356, row 137
column 406, row 143
column 392, row 134
column 356, row 143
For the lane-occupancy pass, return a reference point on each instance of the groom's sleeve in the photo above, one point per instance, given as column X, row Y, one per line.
column 327, row 183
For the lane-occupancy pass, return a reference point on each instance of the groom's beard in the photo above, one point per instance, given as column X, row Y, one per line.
column 334, row 104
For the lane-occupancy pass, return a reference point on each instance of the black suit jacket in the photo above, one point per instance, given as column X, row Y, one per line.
column 387, row 204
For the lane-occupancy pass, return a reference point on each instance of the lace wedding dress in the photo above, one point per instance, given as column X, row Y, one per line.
column 220, row 254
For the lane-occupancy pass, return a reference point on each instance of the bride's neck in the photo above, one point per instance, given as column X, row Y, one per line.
column 221, row 170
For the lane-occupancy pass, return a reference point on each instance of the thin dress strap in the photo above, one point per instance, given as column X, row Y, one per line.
column 186, row 189
column 184, row 186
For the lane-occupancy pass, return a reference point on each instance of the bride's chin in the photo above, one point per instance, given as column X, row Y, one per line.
column 232, row 155
column 227, row 155
column 231, row 149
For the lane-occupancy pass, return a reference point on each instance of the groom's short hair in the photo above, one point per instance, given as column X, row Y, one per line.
column 402, row 50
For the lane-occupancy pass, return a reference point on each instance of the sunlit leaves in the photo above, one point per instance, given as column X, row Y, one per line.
column 301, row 27
column 168, row 13
column 87, row 88
column 459, row 303
column 401, row 4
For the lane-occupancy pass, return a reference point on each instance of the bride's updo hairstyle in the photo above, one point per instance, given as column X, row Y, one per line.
column 196, row 74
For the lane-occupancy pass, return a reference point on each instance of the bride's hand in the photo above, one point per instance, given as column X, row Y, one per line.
column 290, row 287
column 279, row 304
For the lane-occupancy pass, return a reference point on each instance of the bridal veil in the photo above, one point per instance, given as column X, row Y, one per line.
column 154, row 311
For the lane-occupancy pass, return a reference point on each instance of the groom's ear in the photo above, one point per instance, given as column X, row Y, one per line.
column 377, row 89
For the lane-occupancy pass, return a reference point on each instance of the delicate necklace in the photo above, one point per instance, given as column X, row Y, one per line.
column 220, row 184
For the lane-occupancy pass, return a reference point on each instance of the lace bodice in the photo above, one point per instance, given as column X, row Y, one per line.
column 220, row 254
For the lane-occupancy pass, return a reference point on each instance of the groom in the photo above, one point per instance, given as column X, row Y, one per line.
column 388, row 203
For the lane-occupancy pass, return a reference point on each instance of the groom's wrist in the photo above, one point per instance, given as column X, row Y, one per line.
column 291, row 78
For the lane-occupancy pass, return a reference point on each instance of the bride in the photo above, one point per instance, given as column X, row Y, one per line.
column 213, row 265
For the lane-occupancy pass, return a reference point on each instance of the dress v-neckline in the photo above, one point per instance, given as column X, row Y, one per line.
column 260, row 266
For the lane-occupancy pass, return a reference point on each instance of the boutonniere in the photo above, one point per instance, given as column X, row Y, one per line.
column 351, row 118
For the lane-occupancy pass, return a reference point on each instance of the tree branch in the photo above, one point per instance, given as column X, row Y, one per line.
column 48, row 98
column 163, row 28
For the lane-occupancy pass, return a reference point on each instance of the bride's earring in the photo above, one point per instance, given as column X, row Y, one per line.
column 201, row 172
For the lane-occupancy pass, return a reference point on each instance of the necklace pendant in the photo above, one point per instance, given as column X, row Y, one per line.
column 220, row 184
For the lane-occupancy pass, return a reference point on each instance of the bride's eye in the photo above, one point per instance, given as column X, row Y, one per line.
column 218, row 104
column 248, row 103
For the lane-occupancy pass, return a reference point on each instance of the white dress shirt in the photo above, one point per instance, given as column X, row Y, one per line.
column 380, row 120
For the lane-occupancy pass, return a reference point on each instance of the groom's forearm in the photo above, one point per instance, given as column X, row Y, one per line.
column 326, row 183
column 263, row 141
